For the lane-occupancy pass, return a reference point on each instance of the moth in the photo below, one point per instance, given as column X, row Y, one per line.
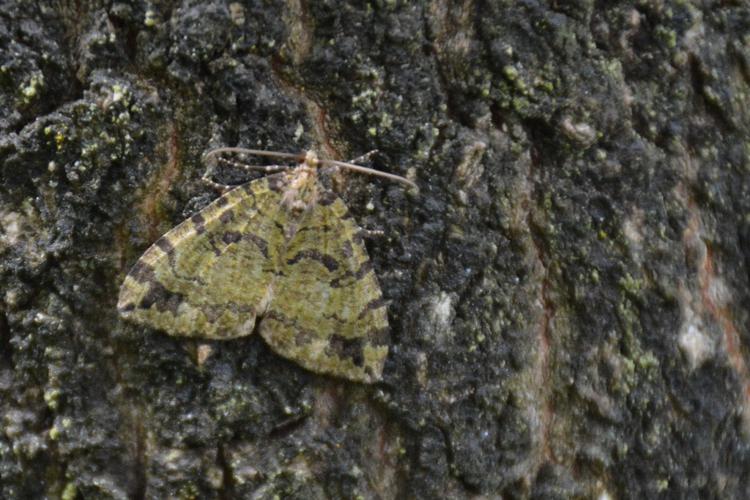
column 280, row 256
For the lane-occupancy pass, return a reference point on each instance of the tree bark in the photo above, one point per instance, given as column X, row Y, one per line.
column 568, row 292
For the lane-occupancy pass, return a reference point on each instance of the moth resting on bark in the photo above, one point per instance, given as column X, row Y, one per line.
column 279, row 255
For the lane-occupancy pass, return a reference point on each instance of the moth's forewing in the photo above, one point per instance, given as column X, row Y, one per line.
column 209, row 276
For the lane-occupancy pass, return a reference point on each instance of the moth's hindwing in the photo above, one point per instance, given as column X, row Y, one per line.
column 328, row 313
column 209, row 276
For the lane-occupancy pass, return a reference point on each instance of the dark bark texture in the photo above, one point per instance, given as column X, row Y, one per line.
column 569, row 291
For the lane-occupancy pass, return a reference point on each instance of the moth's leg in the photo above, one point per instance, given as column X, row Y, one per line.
column 371, row 233
column 256, row 168
column 222, row 188
column 365, row 157
column 252, row 168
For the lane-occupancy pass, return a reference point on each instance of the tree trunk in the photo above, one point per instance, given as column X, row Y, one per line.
column 568, row 292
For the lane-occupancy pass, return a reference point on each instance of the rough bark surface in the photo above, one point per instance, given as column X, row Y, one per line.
column 570, row 290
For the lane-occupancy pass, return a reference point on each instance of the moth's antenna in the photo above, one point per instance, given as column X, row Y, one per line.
column 256, row 152
column 371, row 171
column 243, row 166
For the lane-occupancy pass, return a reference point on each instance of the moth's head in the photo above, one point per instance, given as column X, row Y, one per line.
column 302, row 192
column 311, row 159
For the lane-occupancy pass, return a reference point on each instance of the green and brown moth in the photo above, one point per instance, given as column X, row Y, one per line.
column 279, row 255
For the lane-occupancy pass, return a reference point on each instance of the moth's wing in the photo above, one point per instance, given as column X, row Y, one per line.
column 210, row 276
column 327, row 312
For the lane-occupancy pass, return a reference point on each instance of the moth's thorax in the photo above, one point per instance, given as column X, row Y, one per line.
column 302, row 191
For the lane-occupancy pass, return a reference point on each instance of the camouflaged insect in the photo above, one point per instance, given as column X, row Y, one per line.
column 279, row 255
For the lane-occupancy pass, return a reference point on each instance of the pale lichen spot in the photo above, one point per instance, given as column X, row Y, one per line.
column 693, row 340
column 10, row 228
column 581, row 133
column 695, row 345
column 718, row 292
column 237, row 13
column 443, row 308
column 633, row 230
column 20, row 228
column 441, row 312
column 470, row 169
